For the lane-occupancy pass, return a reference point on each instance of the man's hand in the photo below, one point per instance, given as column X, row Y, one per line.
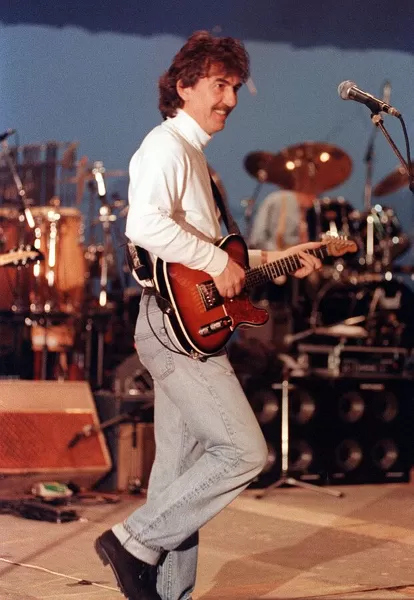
column 309, row 262
column 230, row 282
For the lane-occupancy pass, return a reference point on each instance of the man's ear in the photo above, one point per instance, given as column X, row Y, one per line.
column 182, row 91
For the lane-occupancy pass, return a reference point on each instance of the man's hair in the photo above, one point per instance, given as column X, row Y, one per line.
column 193, row 62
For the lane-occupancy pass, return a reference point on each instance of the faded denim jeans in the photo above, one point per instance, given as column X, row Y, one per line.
column 209, row 447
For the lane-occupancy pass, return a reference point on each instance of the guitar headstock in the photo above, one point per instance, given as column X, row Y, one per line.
column 21, row 256
column 339, row 245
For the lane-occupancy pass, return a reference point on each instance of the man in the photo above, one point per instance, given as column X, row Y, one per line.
column 281, row 220
column 209, row 446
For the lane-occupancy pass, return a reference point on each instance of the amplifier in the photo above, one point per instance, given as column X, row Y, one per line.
column 38, row 420
column 351, row 361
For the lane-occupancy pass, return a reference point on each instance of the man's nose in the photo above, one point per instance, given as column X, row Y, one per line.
column 230, row 98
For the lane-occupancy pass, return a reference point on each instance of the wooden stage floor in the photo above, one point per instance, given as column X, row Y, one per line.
column 293, row 543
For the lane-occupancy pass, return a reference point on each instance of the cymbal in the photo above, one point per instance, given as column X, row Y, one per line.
column 309, row 167
column 392, row 182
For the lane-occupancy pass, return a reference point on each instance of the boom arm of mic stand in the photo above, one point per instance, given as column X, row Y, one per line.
column 378, row 122
column 94, row 429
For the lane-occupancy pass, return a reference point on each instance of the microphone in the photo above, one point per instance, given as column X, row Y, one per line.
column 85, row 432
column 6, row 134
column 348, row 90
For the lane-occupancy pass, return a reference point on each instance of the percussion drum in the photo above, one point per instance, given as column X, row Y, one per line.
column 58, row 281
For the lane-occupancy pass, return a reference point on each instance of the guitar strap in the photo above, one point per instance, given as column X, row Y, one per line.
column 138, row 261
column 228, row 220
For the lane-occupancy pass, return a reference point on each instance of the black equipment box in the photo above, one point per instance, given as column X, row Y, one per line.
column 352, row 361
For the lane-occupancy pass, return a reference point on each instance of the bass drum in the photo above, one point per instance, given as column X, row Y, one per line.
column 333, row 215
column 388, row 308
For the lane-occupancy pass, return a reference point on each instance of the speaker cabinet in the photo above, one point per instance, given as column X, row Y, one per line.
column 305, row 454
column 340, row 430
column 38, row 420
column 368, row 430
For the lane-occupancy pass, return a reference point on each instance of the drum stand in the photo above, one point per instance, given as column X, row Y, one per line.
column 97, row 322
column 108, row 272
column 285, row 479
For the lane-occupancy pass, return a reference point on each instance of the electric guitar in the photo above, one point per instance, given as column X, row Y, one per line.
column 203, row 321
column 20, row 257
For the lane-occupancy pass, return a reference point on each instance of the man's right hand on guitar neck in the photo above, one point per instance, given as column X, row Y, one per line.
column 230, row 281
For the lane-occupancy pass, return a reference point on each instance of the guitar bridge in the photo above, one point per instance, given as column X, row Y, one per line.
column 209, row 295
column 215, row 326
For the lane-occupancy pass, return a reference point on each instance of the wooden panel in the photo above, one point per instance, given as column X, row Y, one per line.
column 45, row 395
column 39, row 441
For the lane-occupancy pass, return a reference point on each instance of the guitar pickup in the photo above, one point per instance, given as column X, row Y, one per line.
column 215, row 326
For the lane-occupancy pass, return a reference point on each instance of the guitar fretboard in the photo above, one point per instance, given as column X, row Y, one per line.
column 282, row 266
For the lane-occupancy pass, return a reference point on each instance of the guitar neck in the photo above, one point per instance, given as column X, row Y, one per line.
column 20, row 257
column 282, row 266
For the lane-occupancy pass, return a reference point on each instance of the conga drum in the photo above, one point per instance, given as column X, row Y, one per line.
column 58, row 281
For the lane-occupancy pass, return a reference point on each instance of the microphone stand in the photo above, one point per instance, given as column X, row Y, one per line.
column 369, row 161
column 369, row 156
column 379, row 123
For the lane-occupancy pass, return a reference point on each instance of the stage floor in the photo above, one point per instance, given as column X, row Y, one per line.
column 293, row 543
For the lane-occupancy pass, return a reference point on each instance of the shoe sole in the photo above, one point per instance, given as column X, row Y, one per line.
column 101, row 552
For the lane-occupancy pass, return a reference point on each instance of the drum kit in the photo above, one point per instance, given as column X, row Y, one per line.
column 370, row 286
column 56, row 301
column 56, row 293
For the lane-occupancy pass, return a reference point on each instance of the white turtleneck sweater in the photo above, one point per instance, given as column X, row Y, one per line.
column 172, row 211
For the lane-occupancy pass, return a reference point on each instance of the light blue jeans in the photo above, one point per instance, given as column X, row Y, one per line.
column 209, row 447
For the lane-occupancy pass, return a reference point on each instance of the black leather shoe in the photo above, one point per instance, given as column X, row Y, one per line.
column 135, row 578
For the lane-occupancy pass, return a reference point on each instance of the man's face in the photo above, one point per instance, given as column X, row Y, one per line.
column 211, row 99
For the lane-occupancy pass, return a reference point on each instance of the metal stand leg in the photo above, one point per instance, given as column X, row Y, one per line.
column 284, row 478
column 88, row 348
column 100, row 358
